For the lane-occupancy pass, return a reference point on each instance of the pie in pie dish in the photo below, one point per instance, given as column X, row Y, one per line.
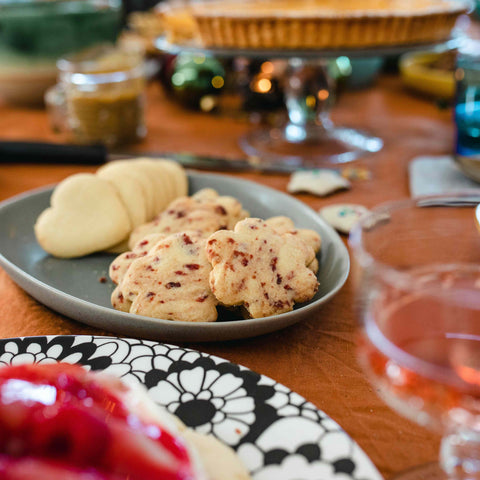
column 323, row 24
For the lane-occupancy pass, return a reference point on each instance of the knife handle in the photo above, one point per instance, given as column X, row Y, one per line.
column 37, row 152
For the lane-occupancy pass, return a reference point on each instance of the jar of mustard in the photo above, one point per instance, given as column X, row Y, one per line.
column 104, row 91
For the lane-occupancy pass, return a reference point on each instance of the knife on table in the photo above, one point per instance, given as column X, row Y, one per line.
column 52, row 153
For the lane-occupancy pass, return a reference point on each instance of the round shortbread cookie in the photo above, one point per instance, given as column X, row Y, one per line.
column 86, row 215
column 163, row 187
column 130, row 168
column 179, row 176
column 131, row 192
column 166, row 174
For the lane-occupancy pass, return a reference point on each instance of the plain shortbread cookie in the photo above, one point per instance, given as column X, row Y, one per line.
column 86, row 215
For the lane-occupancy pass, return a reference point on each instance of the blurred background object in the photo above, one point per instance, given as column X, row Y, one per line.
column 467, row 109
column 170, row 19
column 430, row 73
column 178, row 22
column 35, row 33
column 249, row 87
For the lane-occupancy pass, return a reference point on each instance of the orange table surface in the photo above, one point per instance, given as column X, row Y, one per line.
column 315, row 358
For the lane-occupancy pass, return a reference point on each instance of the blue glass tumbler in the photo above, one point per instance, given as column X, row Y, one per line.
column 467, row 105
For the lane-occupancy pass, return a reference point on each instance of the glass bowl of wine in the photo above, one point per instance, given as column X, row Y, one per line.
column 416, row 267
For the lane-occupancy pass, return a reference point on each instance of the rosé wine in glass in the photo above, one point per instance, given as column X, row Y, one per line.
column 417, row 274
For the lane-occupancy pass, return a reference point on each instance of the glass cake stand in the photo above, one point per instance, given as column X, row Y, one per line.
column 309, row 139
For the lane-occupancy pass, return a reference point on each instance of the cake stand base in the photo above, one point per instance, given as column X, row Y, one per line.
column 308, row 146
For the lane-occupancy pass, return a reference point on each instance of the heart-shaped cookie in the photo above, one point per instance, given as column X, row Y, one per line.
column 86, row 215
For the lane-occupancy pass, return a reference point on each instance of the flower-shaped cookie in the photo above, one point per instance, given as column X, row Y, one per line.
column 205, row 211
column 120, row 265
column 258, row 268
column 283, row 224
column 171, row 281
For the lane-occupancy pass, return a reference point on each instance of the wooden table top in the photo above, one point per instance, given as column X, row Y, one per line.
column 315, row 358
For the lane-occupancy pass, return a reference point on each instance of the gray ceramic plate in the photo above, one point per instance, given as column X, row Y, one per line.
column 72, row 287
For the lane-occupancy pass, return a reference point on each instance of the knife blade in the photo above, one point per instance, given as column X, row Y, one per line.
column 52, row 153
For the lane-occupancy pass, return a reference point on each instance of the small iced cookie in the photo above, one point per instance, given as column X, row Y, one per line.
column 205, row 211
column 170, row 282
column 120, row 265
column 319, row 182
column 343, row 217
column 86, row 215
column 258, row 268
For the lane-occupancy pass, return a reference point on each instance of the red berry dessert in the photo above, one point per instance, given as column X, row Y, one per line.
column 59, row 421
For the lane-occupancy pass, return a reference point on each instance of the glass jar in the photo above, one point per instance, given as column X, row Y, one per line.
column 104, row 92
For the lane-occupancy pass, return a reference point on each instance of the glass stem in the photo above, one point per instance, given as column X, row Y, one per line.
column 460, row 454
column 309, row 95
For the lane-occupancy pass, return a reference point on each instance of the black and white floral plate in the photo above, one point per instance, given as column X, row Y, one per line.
column 277, row 433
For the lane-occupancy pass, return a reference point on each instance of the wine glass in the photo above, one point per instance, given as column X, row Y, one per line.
column 417, row 274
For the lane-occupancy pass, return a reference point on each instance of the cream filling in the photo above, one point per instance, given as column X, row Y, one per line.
column 211, row 459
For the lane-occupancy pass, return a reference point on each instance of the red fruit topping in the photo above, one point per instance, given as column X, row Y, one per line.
column 59, row 417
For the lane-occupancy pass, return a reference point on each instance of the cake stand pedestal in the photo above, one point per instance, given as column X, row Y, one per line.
column 309, row 139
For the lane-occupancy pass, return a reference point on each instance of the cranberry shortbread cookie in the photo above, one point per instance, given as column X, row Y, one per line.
column 260, row 269
column 120, row 265
column 170, row 282
column 206, row 212
column 283, row 224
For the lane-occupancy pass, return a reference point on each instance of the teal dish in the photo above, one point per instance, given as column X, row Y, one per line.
column 46, row 29
column 35, row 33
